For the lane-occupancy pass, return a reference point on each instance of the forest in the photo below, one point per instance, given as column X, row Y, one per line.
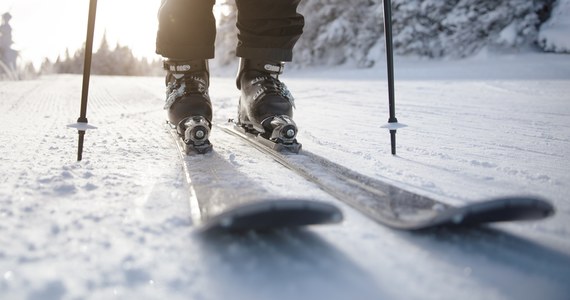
column 351, row 33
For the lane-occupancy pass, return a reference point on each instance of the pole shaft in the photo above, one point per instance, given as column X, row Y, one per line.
column 389, row 59
column 390, row 69
column 87, row 61
column 86, row 74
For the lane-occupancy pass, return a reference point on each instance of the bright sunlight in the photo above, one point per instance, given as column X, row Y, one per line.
column 47, row 28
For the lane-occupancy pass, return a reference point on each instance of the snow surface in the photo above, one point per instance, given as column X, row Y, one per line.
column 117, row 224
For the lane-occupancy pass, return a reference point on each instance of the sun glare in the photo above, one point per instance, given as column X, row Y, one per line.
column 43, row 28
column 46, row 29
column 131, row 23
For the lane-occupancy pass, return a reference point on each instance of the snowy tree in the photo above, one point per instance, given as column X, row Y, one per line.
column 554, row 35
column 66, row 64
column 8, row 55
column 468, row 26
column 47, row 67
column 102, row 62
column 331, row 28
column 351, row 32
column 118, row 61
column 337, row 31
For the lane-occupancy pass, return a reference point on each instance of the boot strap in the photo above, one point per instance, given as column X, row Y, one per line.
column 184, row 67
column 271, row 67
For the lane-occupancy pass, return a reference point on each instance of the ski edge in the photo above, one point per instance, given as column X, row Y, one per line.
column 195, row 213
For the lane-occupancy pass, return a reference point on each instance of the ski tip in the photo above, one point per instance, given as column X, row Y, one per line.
column 542, row 207
column 496, row 210
column 503, row 209
column 274, row 214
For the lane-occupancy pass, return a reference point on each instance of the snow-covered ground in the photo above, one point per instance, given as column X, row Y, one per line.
column 117, row 224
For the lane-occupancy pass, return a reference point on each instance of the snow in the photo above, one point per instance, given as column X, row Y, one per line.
column 554, row 34
column 118, row 224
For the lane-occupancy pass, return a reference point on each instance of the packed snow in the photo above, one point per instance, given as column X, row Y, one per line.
column 118, row 224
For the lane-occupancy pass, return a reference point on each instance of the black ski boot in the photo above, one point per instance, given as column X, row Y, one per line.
column 266, row 105
column 188, row 103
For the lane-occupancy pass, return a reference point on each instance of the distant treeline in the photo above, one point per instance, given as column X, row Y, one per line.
column 106, row 61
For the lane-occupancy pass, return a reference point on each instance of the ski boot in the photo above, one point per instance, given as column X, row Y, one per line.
column 188, row 103
column 266, row 105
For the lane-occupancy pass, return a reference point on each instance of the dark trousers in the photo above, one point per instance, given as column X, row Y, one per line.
column 268, row 29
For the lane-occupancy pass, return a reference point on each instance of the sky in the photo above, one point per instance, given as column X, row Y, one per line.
column 46, row 28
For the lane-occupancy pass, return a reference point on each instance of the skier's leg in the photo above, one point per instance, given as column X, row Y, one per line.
column 185, row 38
column 186, row 29
column 268, row 31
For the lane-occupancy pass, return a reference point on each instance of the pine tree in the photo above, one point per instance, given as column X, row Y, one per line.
column 338, row 31
column 119, row 61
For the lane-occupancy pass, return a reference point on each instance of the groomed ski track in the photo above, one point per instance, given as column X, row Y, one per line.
column 118, row 223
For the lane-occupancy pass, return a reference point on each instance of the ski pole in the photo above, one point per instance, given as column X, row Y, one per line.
column 392, row 121
column 81, row 124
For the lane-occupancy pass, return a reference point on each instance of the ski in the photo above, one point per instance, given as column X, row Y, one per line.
column 224, row 199
column 391, row 205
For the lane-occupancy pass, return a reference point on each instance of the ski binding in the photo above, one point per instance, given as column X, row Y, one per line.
column 280, row 138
